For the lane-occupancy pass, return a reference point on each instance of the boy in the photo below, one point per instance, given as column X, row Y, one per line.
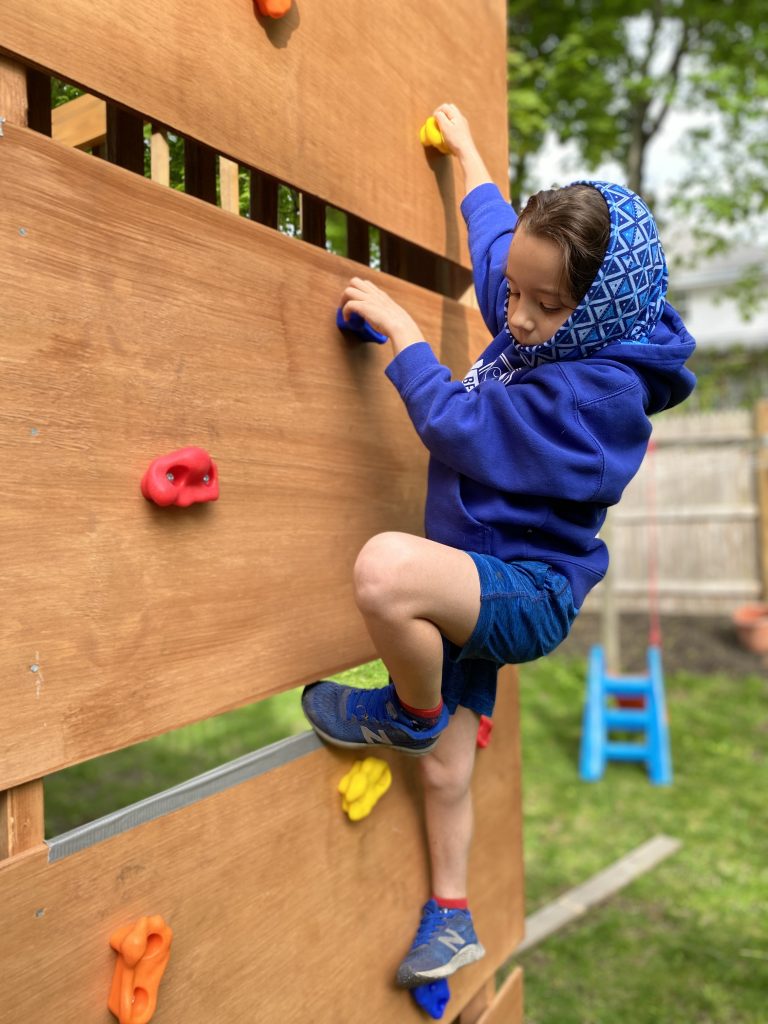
column 526, row 454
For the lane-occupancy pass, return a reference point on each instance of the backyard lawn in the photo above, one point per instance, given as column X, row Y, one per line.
column 685, row 944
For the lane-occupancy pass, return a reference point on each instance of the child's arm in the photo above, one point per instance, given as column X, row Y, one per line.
column 458, row 137
column 490, row 219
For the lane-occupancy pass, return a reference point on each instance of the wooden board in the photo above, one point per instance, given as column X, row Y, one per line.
column 282, row 910
column 330, row 99
column 507, row 1007
column 137, row 321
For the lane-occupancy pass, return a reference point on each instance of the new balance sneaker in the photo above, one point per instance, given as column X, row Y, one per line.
column 445, row 942
column 348, row 717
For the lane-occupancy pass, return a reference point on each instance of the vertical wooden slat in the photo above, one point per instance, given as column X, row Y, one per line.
column 761, row 438
column 22, row 824
column 125, row 139
column 479, row 1003
column 264, row 198
column 313, row 220
column 199, row 171
column 21, row 809
column 13, row 91
column 39, row 100
column 160, row 156
column 229, row 185
column 358, row 242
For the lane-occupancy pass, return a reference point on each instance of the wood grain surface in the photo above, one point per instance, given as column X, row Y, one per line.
column 136, row 321
column 282, row 910
column 329, row 99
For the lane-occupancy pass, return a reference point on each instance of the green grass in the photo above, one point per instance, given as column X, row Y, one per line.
column 685, row 944
column 90, row 790
column 688, row 943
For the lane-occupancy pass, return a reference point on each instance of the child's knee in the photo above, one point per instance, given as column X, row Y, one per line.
column 447, row 778
column 380, row 570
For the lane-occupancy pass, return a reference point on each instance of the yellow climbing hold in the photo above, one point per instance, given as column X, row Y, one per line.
column 430, row 135
column 363, row 785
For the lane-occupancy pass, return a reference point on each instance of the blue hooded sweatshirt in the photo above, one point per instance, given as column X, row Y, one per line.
column 530, row 449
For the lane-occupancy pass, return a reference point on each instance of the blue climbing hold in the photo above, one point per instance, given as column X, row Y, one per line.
column 359, row 326
column 433, row 997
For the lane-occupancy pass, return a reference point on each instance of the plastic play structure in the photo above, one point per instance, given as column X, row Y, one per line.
column 175, row 336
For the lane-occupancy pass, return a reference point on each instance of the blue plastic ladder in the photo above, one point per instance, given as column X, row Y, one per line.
column 601, row 718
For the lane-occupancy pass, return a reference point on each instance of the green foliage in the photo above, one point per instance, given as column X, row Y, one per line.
column 732, row 378
column 605, row 75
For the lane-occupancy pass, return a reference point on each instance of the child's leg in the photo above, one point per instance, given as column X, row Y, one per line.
column 446, row 938
column 446, row 774
column 410, row 591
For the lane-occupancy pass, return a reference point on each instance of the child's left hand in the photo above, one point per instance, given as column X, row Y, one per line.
column 381, row 312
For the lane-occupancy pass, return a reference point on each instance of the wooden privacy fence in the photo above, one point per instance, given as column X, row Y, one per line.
column 699, row 507
column 138, row 319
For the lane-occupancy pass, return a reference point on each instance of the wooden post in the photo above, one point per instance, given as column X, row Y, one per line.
column 21, row 809
column 125, row 139
column 313, row 220
column 609, row 617
column 22, row 822
column 13, row 92
column 358, row 243
column 478, row 1004
column 229, row 185
column 199, row 171
column 264, row 198
column 761, row 439
column 160, row 156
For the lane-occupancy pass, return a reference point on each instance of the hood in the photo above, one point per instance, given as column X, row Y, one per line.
column 626, row 300
column 660, row 363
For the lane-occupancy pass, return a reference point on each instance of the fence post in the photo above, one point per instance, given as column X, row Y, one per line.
column 761, row 440
column 21, row 808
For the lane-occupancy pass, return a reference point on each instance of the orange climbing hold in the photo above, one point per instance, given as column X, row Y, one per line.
column 274, row 8
column 143, row 950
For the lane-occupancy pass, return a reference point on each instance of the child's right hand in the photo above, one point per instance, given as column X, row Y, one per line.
column 458, row 138
column 455, row 129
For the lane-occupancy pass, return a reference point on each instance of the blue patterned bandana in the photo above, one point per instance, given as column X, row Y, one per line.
column 626, row 299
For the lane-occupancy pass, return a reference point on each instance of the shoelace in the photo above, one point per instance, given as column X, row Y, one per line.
column 371, row 703
column 431, row 920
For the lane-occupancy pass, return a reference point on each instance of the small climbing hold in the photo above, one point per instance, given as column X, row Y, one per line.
column 274, row 8
column 359, row 326
column 430, row 135
column 484, row 731
column 363, row 785
column 143, row 950
column 184, row 477
column 433, row 997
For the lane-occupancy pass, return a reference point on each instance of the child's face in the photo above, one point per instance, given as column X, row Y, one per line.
column 537, row 305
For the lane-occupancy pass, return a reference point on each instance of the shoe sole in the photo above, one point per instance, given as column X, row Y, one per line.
column 362, row 745
column 467, row 955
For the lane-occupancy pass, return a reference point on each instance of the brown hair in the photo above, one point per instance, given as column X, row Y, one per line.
column 576, row 219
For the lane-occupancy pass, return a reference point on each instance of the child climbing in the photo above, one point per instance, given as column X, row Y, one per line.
column 526, row 453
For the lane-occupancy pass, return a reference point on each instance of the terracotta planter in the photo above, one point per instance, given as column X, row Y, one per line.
column 751, row 622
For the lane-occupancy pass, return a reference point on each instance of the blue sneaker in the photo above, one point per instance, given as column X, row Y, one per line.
column 348, row 717
column 445, row 942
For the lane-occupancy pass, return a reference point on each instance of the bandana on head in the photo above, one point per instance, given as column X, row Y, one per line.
column 626, row 299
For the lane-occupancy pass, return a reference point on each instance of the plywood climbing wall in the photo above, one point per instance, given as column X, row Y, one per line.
column 138, row 319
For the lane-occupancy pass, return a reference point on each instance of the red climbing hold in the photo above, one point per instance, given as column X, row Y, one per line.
column 484, row 731
column 184, row 477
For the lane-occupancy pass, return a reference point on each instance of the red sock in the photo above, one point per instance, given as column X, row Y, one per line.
column 430, row 714
column 448, row 904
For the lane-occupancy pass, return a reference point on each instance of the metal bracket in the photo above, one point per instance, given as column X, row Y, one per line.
column 2, row 122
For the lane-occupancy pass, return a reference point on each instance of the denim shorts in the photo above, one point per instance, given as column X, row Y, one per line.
column 526, row 610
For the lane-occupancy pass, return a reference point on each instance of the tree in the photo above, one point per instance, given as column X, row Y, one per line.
column 607, row 73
